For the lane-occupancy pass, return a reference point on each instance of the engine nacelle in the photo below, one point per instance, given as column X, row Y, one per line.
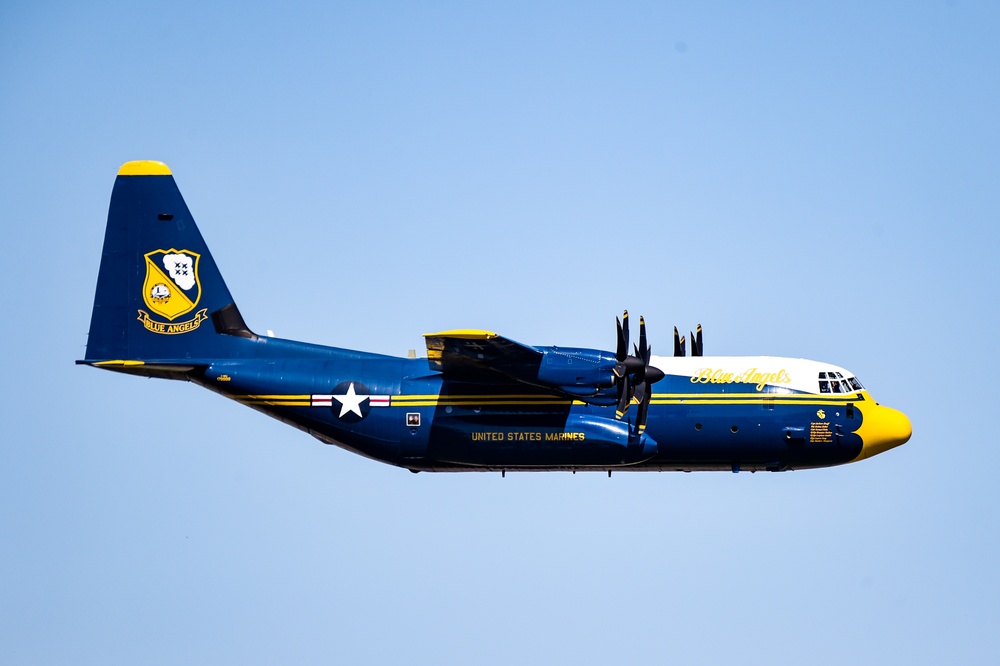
column 610, row 440
column 577, row 371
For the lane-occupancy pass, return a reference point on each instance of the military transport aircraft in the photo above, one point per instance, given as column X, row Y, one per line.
column 478, row 401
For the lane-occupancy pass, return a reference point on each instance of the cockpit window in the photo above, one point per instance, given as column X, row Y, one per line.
column 835, row 382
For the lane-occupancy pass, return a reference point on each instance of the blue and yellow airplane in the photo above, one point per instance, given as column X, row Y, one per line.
column 478, row 401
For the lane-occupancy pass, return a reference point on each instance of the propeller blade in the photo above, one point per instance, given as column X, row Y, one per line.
column 641, row 389
column 642, row 340
column 618, row 349
column 639, row 374
column 701, row 348
column 677, row 344
column 624, row 396
column 622, row 350
column 640, row 419
column 620, row 353
column 683, row 345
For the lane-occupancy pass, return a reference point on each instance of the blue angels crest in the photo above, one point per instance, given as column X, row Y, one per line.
column 171, row 289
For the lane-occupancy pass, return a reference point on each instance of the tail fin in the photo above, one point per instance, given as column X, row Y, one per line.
column 160, row 297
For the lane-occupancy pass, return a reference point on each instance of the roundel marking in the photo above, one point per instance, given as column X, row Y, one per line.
column 352, row 401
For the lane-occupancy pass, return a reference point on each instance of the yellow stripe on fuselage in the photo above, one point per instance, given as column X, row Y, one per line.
column 295, row 400
column 754, row 398
column 470, row 400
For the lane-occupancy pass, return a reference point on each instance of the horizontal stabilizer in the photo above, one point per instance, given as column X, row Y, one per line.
column 150, row 369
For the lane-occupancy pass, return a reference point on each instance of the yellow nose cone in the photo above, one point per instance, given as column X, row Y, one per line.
column 882, row 428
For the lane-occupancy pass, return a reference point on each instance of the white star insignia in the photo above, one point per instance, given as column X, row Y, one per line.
column 350, row 402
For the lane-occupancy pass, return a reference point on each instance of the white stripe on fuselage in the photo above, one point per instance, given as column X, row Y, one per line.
column 796, row 374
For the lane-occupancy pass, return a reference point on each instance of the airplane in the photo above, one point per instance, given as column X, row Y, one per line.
column 478, row 401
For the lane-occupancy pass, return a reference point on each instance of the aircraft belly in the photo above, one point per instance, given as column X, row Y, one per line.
column 695, row 437
column 341, row 402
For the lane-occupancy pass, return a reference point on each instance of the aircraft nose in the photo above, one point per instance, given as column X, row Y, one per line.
column 882, row 428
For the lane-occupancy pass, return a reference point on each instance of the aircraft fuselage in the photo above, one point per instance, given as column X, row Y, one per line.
column 707, row 413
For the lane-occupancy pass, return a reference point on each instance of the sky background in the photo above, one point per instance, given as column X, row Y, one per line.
column 804, row 181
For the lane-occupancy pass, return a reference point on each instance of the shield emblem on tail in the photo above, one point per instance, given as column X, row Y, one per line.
column 172, row 287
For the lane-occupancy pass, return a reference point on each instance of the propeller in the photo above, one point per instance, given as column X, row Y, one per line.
column 696, row 344
column 635, row 374
column 624, row 365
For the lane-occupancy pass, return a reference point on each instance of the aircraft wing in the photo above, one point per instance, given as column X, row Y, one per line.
column 484, row 356
column 465, row 353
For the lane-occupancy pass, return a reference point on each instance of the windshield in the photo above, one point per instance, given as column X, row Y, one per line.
column 836, row 382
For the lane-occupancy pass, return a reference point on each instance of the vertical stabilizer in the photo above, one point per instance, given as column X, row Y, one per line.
column 160, row 296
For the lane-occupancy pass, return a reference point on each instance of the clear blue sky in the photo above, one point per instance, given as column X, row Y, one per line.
column 810, row 182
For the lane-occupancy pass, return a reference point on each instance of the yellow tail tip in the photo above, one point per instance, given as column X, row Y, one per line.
column 144, row 168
